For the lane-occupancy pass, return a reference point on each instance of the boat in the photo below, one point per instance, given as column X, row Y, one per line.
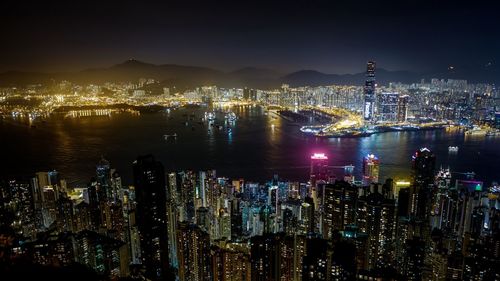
column 475, row 131
column 493, row 133
column 210, row 116
column 231, row 116
column 452, row 148
column 172, row 136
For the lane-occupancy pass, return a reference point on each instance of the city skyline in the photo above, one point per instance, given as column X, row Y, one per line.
column 250, row 141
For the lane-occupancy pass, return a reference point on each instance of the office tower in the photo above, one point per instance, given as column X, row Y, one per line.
column 130, row 224
column 187, row 196
column 81, row 215
column 64, row 216
column 203, row 220
column 224, row 222
column 103, row 178
column 113, row 216
column 403, row 108
column 94, row 206
column 380, row 227
column 338, row 207
column 306, row 218
column 290, row 222
column 319, row 168
column 43, row 179
column 151, row 198
column 246, row 93
column 443, row 202
column 104, row 255
column 371, row 168
column 423, row 166
column 201, row 191
column 236, row 219
column 53, row 177
column 266, row 218
column 116, row 186
column 273, row 197
column 389, row 189
column 424, row 162
column 388, row 107
column 173, row 205
column 193, row 252
column 369, row 93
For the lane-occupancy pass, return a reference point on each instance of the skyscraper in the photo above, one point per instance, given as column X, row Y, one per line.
column 424, row 162
column 380, row 225
column 103, row 178
column 371, row 167
column 193, row 253
column 369, row 92
column 338, row 207
column 149, row 181
column 403, row 108
column 388, row 107
column 319, row 168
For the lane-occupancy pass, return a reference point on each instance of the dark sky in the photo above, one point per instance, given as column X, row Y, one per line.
column 284, row 35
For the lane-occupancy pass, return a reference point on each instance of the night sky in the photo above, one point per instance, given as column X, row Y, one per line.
column 285, row 36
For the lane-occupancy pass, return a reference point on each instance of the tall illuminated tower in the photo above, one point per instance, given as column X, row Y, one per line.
column 403, row 108
column 103, row 173
column 338, row 207
column 371, row 167
column 369, row 93
column 151, row 197
column 319, row 168
column 424, row 162
column 380, row 227
column 193, row 253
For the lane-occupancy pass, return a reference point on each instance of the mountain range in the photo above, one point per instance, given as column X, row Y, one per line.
column 182, row 76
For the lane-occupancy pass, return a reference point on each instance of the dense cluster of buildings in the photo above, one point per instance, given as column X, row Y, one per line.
column 449, row 100
column 199, row 226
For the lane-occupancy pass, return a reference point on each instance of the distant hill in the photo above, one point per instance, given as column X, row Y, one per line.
column 183, row 76
column 132, row 70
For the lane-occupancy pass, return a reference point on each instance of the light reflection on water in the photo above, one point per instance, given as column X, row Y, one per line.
column 254, row 150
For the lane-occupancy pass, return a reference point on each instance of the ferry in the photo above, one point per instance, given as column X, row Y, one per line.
column 231, row 116
column 493, row 133
column 209, row 116
column 452, row 148
column 174, row 136
column 475, row 131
